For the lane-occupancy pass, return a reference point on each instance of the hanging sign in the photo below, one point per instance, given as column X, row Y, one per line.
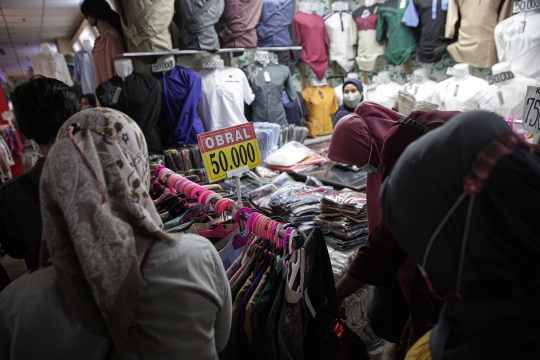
column 531, row 112
column 526, row 5
column 498, row 78
column 163, row 66
column 229, row 151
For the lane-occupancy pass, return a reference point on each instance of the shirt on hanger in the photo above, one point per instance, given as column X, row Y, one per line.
column 321, row 104
column 518, row 42
column 224, row 92
column 182, row 91
column 505, row 98
column 342, row 34
column 457, row 94
column 383, row 93
column 52, row 66
column 311, row 34
column 430, row 16
column 108, row 47
column 475, row 44
column 84, row 71
column 195, row 20
column 402, row 40
column 268, row 83
column 294, row 110
column 277, row 16
column 239, row 21
column 368, row 47
column 139, row 97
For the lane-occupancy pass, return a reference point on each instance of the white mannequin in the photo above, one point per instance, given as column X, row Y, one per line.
column 384, row 77
column 305, row 7
column 419, row 76
column 458, row 92
column 340, row 6
column 51, row 64
column 384, row 91
column 87, row 45
column 124, row 68
column 420, row 87
column 352, row 75
column 46, row 49
column 212, row 61
column 263, row 57
column 461, row 70
column 500, row 67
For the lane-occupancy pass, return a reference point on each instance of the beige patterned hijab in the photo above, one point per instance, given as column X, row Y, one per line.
column 97, row 216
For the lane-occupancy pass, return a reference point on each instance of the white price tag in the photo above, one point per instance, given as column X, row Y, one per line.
column 450, row 71
column 267, row 76
column 317, row 82
column 213, row 63
column 531, row 112
column 263, row 56
column 526, row 5
column 162, row 67
column 417, row 79
column 498, row 78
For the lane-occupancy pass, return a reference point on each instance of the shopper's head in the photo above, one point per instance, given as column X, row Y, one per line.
column 97, row 216
column 352, row 93
column 480, row 177
column 41, row 106
column 88, row 101
column 96, row 10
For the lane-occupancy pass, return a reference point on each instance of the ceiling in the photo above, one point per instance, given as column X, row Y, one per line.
column 25, row 24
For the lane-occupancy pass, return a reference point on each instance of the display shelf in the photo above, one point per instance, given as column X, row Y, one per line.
column 192, row 52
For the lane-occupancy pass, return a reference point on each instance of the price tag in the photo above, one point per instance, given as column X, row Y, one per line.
column 498, row 78
column 163, row 66
column 230, row 149
column 531, row 112
column 213, row 63
column 526, row 5
column 263, row 56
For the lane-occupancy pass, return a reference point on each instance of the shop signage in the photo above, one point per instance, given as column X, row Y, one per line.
column 229, row 150
column 526, row 5
column 498, row 78
column 531, row 112
column 163, row 66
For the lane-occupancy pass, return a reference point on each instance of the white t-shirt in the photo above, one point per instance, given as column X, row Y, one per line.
column 518, row 42
column 52, row 66
column 423, row 91
column 505, row 98
column 383, row 93
column 457, row 93
column 342, row 34
column 225, row 90
column 184, row 312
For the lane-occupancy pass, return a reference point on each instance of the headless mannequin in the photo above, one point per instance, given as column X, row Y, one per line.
column 51, row 64
column 420, row 86
column 87, row 45
column 46, row 49
column 500, row 67
column 305, row 7
column 384, row 77
column 384, row 91
column 124, row 68
column 458, row 92
column 419, row 76
column 263, row 57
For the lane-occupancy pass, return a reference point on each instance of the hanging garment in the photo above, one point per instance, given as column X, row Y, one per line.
column 402, row 40
column 195, row 20
column 239, row 21
column 224, row 92
column 321, row 104
column 476, row 44
column 268, row 83
column 108, row 47
column 273, row 30
column 296, row 110
column 146, row 24
column 52, row 66
column 518, row 42
column 84, row 71
column 139, row 97
column 383, row 93
column 311, row 34
column 342, row 34
column 430, row 17
column 368, row 47
column 290, row 57
column 458, row 93
column 182, row 91
column 505, row 98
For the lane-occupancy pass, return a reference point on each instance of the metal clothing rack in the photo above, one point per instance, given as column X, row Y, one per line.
column 192, row 52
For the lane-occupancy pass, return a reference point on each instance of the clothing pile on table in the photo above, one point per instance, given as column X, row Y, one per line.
column 292, row 133
column 273, row 136
column 343, row 219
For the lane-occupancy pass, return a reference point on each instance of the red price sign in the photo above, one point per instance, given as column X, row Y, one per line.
column 229, row 149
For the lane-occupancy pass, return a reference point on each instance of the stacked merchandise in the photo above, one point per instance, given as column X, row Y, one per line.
column 292, row 133
column 268, row 135
column 344, row 219
column 187, row 161
column 294, row 158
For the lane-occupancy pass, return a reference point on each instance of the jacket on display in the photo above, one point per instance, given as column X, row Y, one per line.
column 369, row 48
column 401, row 40
column 52, row 66
column 273, row 30
column 84, row 71
column 146, row 24
column 139, row 97
column 268, row 83
column 240, row 19
column 182, row 91
column 432, row 22
column 476, row 44
column 195, row 20
column 311, row 34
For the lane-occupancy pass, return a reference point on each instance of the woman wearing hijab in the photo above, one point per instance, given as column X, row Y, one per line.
column 352, row 96
column 88, row 101
column 114, row 282
column 461, row 202
column 382, row 258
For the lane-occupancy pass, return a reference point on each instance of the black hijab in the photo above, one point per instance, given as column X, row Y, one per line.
column 500, row 276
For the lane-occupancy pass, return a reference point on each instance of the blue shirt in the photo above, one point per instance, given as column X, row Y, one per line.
column 182, row 91
column 294, row 110
column 273, row 28
column 84, row 71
